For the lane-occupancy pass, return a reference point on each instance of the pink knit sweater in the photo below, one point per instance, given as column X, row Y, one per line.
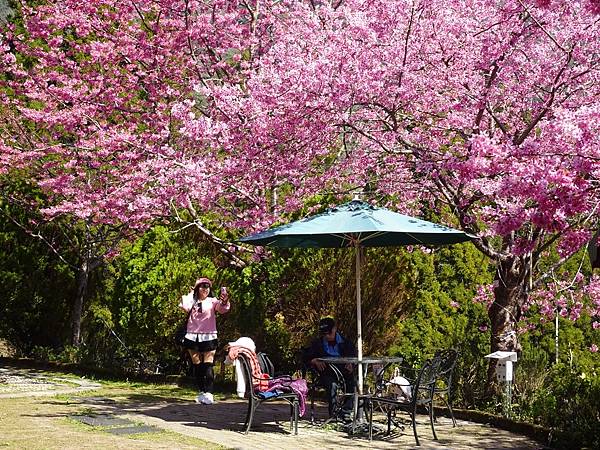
column 205, row 321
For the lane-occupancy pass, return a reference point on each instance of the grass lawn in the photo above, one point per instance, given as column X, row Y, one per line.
column 47, row 422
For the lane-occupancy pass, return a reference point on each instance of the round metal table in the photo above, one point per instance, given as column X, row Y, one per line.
column 384, row 361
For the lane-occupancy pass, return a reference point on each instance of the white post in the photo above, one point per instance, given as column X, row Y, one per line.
column 504, row 373
column 556, row 336
column 359, row 322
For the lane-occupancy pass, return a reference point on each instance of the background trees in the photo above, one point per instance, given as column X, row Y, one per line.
column 31, row 274
column 484, row 112
column 230, row 116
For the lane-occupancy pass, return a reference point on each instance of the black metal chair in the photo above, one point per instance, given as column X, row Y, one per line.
column 255, row 400
column 446, row 361
column 422, row 391
column 313, row 380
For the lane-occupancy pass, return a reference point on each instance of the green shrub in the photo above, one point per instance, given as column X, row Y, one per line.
column 569, row 402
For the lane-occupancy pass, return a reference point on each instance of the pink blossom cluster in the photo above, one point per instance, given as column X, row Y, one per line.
column 484, row 295
column 567, row 298
column 263, row 105
column 486, row 112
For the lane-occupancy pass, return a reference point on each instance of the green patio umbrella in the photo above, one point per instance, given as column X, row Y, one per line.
column 357, row 224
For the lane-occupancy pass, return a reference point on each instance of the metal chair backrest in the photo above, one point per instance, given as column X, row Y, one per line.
column 446, row 363
column 266, row 365
column 425, row 382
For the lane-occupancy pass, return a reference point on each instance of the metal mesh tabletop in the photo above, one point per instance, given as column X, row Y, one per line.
column 365, row 359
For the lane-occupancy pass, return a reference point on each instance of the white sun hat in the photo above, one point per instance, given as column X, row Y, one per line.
column 244, row 342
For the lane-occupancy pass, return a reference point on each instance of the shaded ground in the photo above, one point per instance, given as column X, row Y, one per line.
column 135, row 416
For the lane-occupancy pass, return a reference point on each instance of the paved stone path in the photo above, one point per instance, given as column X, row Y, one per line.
column 221, row 423
column 27, row 383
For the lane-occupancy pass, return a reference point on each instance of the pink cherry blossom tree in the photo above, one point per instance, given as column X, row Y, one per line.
column 485, row 111
column 488, row 109
column 86, row 110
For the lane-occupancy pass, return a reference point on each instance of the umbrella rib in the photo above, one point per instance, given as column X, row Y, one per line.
column 354, row 238
column 374, row 235
column 345, row 237
column 419, row 240
column 416, row 239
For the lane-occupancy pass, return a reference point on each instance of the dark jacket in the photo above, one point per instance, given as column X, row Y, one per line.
column 316, row 350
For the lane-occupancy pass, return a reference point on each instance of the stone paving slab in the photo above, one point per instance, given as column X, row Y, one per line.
column 102, row 420
column 27, row 383
column 133, row 430
column 114, row 425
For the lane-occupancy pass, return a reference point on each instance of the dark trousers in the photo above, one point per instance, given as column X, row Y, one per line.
column 330, row 382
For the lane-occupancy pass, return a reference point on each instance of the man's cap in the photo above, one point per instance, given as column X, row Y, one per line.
column 202, row 280
column 326, row 324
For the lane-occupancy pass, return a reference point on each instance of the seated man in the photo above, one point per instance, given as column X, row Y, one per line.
column 332, row 343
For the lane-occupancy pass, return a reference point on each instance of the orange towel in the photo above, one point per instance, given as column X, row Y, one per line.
column 257, row 376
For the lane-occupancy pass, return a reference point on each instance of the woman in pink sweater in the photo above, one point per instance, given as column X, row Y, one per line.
column 201, row 337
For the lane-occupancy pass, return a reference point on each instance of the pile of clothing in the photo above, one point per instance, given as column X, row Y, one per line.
column 262, row 383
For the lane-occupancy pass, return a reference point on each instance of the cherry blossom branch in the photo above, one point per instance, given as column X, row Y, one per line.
column 519, row 139
column 564, row 259
column 541, row 27
column 41, row 237
column 224, row 247
column 406, row 39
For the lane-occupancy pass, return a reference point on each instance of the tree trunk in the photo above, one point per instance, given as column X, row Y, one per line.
column 509, row 294
column 83, row 276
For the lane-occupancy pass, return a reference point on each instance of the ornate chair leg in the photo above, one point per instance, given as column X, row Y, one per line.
column 451, row 412
column 251, row 409
column 370, row 409
column 431, row 420
column 414, row 425
column 296, row 414
column 248, row 415
column 312, row 406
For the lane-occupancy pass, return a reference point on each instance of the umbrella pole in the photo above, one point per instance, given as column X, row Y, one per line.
column 359, row 322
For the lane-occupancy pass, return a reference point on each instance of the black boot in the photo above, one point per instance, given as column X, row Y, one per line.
column 209, row 377
column 200, row 381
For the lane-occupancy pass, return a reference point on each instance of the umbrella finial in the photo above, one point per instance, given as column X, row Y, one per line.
column 357, row 203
